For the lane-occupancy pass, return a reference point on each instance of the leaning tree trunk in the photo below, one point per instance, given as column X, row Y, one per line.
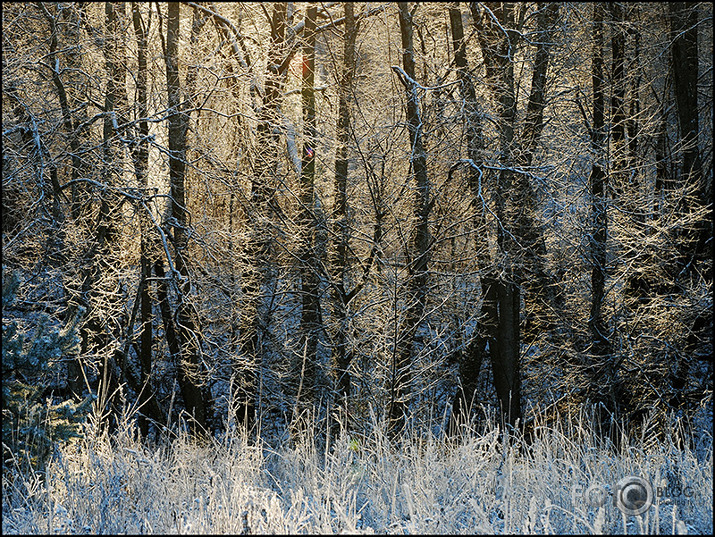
column 542, row 302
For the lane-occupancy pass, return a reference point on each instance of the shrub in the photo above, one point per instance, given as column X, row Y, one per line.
column 32, row 352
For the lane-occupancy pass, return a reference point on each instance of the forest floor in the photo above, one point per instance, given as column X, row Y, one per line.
column 565, row 482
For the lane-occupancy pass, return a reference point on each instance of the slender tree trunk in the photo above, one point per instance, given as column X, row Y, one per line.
column 140, row 156
column 56, row 239
column 70, row 121
column 636, row 74
column 310, row 314
column 341, row 229
column 196, row 397
column 619, row 174
column 501, row 305
column 601, row 347
column 416, row 287
column 470, row 360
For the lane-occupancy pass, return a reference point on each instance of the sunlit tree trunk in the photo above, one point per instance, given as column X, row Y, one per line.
column 188, row 360
column 419, row 250
column 256, row 273
column 341, row 229
column 310, row 313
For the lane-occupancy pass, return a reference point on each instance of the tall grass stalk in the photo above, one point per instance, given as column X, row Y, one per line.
column 484, row 481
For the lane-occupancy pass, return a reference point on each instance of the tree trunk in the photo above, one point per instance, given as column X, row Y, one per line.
column 693, row 245
column 341, row 230
column 541, row 300
column 501, row 305
column 310, row 312
column 619, row 151
column 470, row 360
column 255, row 275
column 416, row 287
column 56, row 239
column 196, row 397
column 601, row 347
column 140, row 157
column 71, row 122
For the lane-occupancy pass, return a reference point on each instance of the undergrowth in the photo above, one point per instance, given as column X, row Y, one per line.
column 483, row 482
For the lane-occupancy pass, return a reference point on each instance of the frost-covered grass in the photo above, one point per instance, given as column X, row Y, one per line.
column 480, row 483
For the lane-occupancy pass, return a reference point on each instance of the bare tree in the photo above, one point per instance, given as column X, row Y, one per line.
column 341, row 294
column 598, row 236
column 419, row 251
column 183, row 337
column 310, row 283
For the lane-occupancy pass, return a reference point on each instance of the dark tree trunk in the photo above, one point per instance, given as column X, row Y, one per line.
column 541, row 300
column 619, row 150
column 547, row 16
column 196, row 397
column 341, row 229
column 140, row 156
column 501, row 304
column 633, row 68
column 601, row 348
column 470, row 360
column 310, row 314
column 116, row 108
column 80, row 195
column 695, row 245
column 416, row 287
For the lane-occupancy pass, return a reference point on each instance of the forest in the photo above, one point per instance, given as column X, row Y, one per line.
column 338, row 224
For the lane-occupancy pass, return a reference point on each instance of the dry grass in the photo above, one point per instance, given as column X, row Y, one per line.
column 480, row 483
